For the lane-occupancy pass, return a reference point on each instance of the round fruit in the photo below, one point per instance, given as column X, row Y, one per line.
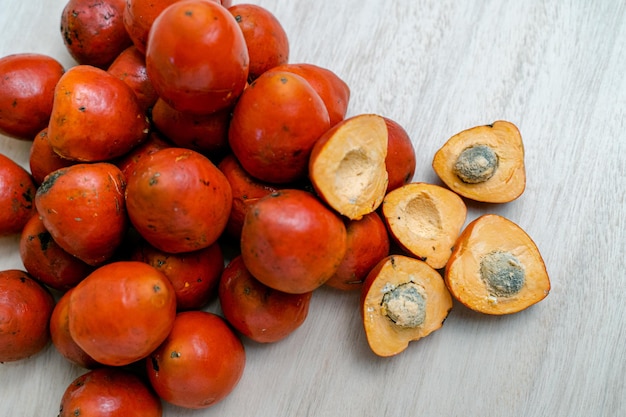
column 200, row 362
column 25, row 310
column 291, row 242
column 121, row 312
column 17, row 195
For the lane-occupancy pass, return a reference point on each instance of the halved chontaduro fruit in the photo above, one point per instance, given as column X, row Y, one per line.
column 347, row 165
column 496, row 268
column 425, row 220
column 403, row 299
column 484, row 163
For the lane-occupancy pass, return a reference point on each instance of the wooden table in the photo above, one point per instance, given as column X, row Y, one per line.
column 557, row 70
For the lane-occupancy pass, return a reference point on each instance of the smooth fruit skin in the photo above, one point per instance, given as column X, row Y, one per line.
column 109, row 392
column 401, row 160
column 42, row 159
column 268, row 45
column 257, row 311
column 130, row 67
column 200, row 362
column 46, row 261
column 291, row 242
column 17, row 195
column 155, row 142
column 82, row 206
column 194, row 275
column 275, row 124
column 25, row 310
column 368, row 242
column 93, row 31
column 26, row 93
column 61, row 337
column 95, row 116
column 121, row 312
column 196, row 57
column 178, row 200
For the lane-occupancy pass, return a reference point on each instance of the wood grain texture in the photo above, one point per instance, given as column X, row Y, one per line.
column 554, row 68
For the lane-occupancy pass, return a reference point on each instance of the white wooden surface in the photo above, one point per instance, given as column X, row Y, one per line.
column 557, row 70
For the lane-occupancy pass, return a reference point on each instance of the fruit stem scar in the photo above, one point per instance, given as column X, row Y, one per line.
column 404, row 305
column 503, row 273
column 476, row 164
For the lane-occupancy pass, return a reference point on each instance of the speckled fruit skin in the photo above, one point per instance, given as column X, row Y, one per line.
column 130, row 67
column 178, row 200
column 199, row 364
column 291, row 242
column 25, row 310
column 196, row 57
column 110, row 392
column 83, row 208
column 26, row 93
column 17, row 195
column 275, row 124
column 257, row 311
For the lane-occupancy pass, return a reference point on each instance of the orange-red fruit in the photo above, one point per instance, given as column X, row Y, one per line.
column 257, row 311
column 197, row 57
column 61, row 337
column 46, row 261
column 266, row 39
column 109, row 392
column 26, row 93
column 291, row 242
column 333, row 90
column 127, row 162
column 43, row 160
column 178, row 200
column 25, row 310
column 130, row 67
column 275, row 124
column 121, row 312
column 95, row 116
column 400, row 161
column 93, row 31
column 367, row 243
column 82, row 206
column 17, row 195
column 138, row 17
column 204, row 133
column 246, row 191
column 200, row 362
column 194, row 275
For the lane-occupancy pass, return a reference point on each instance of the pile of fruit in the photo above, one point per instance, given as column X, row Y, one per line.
column 184, row 129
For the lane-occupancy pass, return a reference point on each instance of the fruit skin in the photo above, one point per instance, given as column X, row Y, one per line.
column 178, row 200
column 205, row 133
column 401, row 160
column 138, row 17
column 266, row 39
column 200, row 362
column 274, row 126
column 246, row 190
column 121, row 312
column 17, row 195
column 46, row 261
column 25, row 310
column 61, row 337
column 194, row 275
column 95, row 116
column 130, row 67
column 367, row 244
column 291, row 242
column 257, row 311
column 26, row 93
column 196, row 57
column 127, row 162
column 333, row 90
column 83, row 208
column 109, row 392
column 43, row 160
column 93, row 31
